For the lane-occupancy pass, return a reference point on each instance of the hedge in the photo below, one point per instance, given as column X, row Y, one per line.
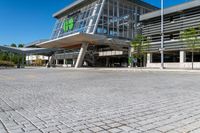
column 6, row 64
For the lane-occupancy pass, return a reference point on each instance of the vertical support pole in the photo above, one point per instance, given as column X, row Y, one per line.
column 107, row 62
column 18, row 64
column 162, row 35
column 74, row 62
column 130, row 57
column 64, row 60
column 56, row 61
column 23, row 60
column 149, row 58
column 26, row 58
column 182, row 56
column 64, row 63
column 48, row 62
column 81, row 55
column 117, row 17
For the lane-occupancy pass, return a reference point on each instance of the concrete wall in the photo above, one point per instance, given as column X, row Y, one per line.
column 186, row 65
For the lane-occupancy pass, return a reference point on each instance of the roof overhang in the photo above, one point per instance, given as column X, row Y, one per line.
column 78, row 38
column 173, row 9
column 73, row 5
column 79, row 3
column 27, row 50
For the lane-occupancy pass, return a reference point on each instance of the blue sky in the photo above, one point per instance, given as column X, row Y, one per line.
column 24, row 21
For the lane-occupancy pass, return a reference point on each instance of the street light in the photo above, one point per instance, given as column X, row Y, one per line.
column 162, row 35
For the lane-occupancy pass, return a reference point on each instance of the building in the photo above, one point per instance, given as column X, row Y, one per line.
column 37, row 60
column 176, row 19
column 96, row 32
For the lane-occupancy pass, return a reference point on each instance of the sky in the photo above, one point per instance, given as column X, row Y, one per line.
column 25, row 21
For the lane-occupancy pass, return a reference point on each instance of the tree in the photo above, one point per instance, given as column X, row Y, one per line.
column 190, row 37
column 13, row 45
column 20, row 45
column 140, row 46
column 13, row 57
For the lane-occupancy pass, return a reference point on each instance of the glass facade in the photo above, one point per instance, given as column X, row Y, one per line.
column 84, row 20
column 117, row 19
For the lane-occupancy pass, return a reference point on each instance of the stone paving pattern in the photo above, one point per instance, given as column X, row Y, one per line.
column 64, row 101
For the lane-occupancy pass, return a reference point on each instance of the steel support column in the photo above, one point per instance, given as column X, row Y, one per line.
column 162, row 35
column 81, row 55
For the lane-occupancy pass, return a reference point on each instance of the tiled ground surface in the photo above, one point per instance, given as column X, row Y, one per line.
column 60, row 100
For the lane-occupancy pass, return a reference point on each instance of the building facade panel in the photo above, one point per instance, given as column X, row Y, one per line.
column 177, row 19
column 174, row 24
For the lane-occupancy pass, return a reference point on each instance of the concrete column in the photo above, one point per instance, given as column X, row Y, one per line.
column 81, row 55
column 27, row 60
column 130, row 57
column 149, row 58
column 64, row 63
column 182, row 56
column 56, row 62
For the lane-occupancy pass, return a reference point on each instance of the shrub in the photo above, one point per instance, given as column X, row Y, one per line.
column 6, row 64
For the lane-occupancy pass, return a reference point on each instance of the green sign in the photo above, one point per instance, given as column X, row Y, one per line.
column 68, row 25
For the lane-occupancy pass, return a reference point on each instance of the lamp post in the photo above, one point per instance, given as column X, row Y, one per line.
column 162, row 35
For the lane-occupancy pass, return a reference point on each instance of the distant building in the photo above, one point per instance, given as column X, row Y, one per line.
column 176, row 19
column 37, row 60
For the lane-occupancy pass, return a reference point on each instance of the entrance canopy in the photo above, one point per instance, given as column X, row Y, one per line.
column 74, row 40
column 27, row 50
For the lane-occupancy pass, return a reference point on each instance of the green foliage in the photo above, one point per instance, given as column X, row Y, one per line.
column 13, row 45
column 7, row 56
column 140, row 45
column 190, row 37
column 6, row 64
column 20, row 45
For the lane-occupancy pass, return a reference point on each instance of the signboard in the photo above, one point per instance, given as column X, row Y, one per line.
column 68, row 25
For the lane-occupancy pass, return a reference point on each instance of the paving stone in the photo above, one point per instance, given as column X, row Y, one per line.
column 125, row 128
column 49, row 129
column 113, row 125
column 67, row 130
column 95, row 129
column 114, row 130
column 34, row 131
column 63, row 100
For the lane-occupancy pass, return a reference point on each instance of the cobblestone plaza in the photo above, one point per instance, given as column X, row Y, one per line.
column 63, row 101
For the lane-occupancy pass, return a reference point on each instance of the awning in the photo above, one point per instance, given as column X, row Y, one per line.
column 78, row 38
column 27, row 50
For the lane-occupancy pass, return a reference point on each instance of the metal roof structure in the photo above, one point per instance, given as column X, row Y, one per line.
column 169, row 10
column 27, row 50
column 81, row 2
column 33, row 44
column 79, row 38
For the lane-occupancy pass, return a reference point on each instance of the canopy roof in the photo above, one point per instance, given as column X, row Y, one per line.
column 79, row 3
column 76, row 39
column 27, row 50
